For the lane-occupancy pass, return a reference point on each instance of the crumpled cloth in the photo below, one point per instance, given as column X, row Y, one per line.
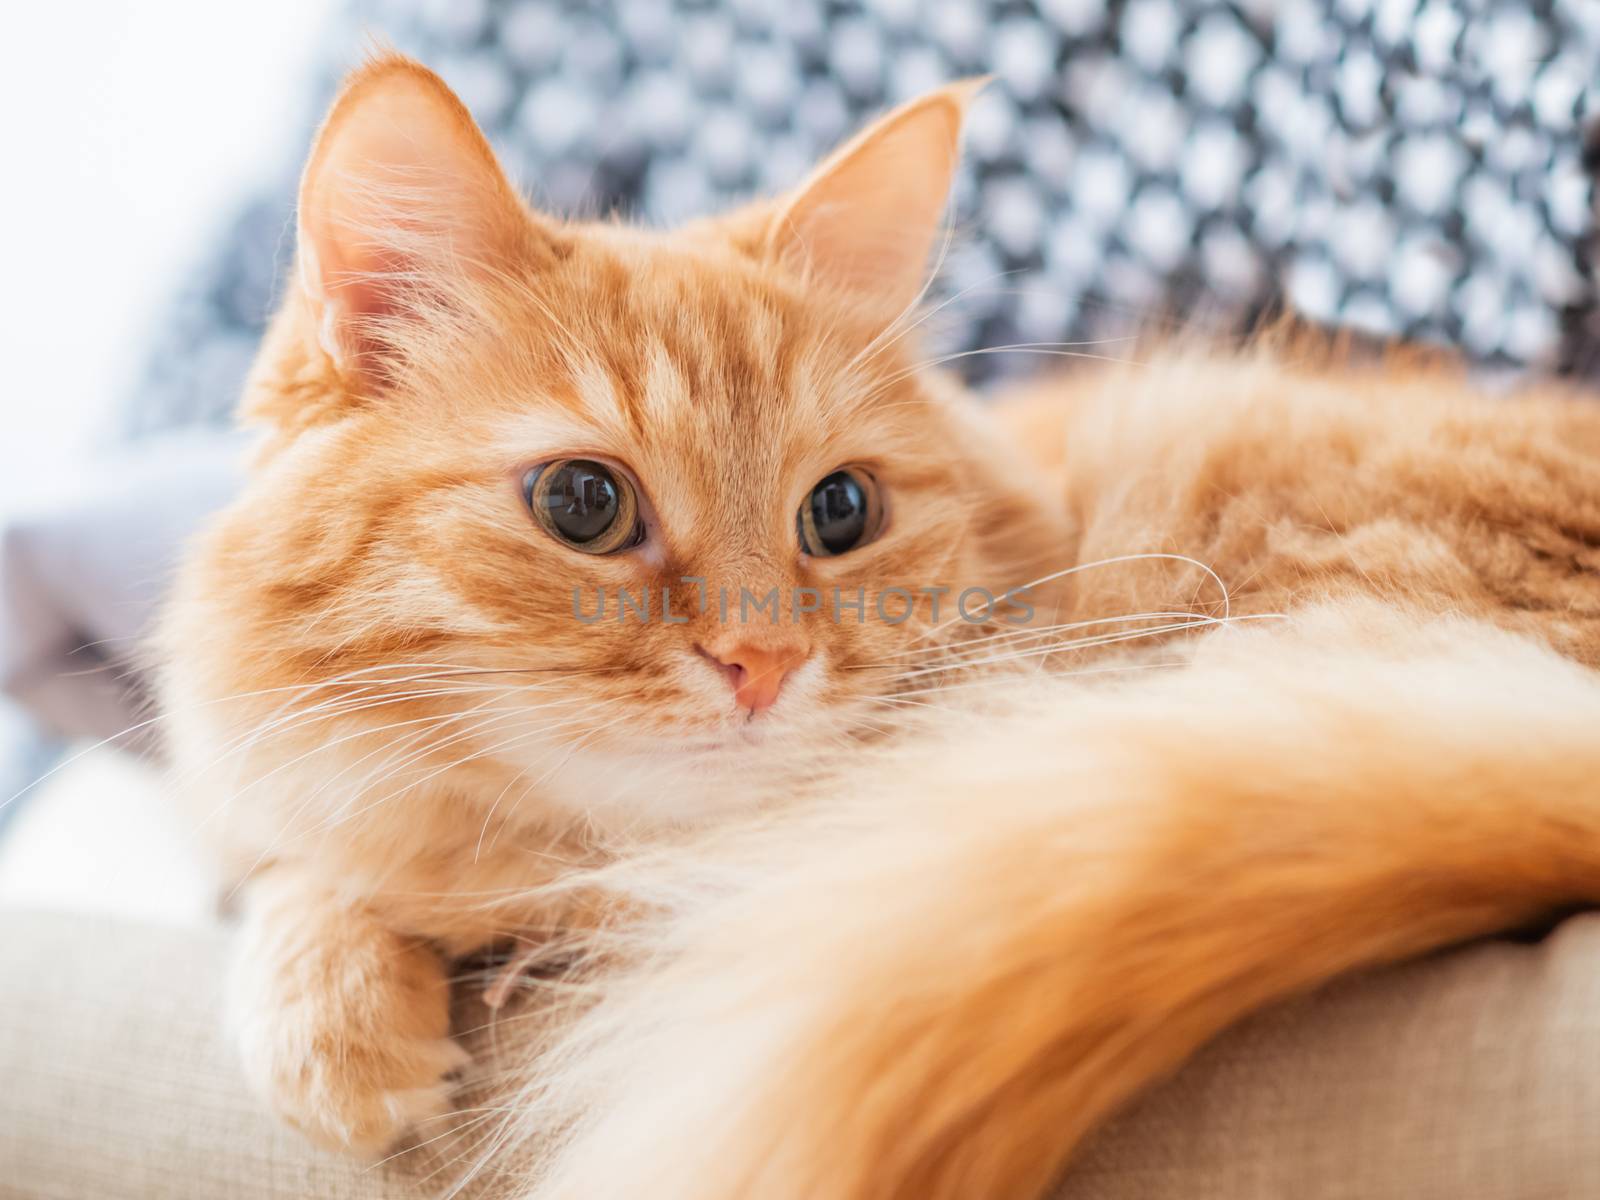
column 84, row 567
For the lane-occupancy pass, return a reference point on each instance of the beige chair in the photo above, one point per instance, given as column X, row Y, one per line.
column 1474, row 1075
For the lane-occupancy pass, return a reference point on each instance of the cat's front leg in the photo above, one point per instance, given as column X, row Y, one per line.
column 343, row 1024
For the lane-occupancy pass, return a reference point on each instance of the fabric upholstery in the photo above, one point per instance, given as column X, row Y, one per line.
column 84, row 566
column 1474, row 1075
column 118, row 1084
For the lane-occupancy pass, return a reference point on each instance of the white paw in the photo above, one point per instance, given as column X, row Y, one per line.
column 353, row 1091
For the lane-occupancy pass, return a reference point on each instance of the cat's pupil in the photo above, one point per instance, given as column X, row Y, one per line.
column 838, row 512
column 581, row 500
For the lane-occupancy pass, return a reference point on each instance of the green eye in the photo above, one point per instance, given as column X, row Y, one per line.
column 842, row 512
column 585, row 505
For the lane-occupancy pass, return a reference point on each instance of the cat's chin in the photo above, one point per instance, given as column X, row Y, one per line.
column 735, row 739
column 672, row 781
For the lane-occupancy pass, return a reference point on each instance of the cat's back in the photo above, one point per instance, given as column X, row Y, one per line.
column 1299, row 476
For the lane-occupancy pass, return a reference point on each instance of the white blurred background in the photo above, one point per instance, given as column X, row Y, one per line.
column 137, row 124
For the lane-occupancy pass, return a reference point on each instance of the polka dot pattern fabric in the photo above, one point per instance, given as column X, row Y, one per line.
column 1411, row 168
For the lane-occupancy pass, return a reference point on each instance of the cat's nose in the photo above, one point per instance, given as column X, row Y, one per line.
column 754, row 670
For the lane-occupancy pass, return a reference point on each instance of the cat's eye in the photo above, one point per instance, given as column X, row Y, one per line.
column 584, row 504
column 842, row 512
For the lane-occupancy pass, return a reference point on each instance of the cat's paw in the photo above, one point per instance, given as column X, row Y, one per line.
column 356, row 1090
column 345, row 1031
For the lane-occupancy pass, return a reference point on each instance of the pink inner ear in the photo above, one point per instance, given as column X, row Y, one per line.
column 353, row 300
column 402, row 201
column 867, row 221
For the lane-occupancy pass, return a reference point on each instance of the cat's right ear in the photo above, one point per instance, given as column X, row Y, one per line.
column 401, row 203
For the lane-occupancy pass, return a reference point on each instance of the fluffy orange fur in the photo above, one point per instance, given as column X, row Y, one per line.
column 1321, row 634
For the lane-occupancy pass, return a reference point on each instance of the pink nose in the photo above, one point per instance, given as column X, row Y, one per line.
column 756, row 672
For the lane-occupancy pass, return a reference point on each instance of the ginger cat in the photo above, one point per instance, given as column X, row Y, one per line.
column 912, row 913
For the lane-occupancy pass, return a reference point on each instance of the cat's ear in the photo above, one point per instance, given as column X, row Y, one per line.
column 402, row 200
column 866, row 221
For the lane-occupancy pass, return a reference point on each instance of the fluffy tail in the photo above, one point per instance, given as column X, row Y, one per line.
column 937, row 989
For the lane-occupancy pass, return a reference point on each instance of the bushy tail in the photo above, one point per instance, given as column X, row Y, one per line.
column 936, row 987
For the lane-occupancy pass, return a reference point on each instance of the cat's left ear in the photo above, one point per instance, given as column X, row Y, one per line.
column 866, row 221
